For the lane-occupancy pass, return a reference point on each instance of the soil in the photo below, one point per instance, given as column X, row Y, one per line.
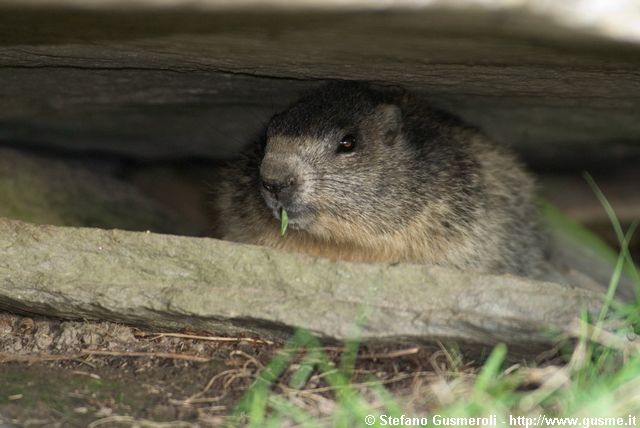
column 56, row 373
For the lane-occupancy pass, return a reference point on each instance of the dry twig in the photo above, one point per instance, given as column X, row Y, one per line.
column 30, row 359
column 154, row 336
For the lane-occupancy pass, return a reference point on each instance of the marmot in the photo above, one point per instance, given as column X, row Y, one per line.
column 374, row 174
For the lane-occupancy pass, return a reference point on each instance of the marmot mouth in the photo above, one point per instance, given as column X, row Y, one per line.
column 298, row 217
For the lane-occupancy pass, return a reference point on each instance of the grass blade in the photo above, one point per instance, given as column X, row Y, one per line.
column 284, row 221
column 631, row 267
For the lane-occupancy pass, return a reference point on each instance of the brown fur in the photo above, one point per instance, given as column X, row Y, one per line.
column 420, row 187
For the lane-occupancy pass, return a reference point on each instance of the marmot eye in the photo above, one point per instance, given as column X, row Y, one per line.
column 347, row 143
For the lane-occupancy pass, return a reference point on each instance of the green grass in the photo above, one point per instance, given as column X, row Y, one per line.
column 595, row 380
column 284, row 221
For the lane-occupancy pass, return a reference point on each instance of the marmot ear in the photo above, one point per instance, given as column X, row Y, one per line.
column 389, row 121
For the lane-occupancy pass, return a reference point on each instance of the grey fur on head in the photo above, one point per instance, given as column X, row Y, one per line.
column 376, row 174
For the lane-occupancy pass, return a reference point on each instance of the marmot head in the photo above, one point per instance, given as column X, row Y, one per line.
column 333, row 161
column 338, row 158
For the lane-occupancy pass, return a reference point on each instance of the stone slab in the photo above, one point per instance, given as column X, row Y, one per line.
column 200, row 283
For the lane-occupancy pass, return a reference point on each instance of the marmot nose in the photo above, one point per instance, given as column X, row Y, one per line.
column 276, row 186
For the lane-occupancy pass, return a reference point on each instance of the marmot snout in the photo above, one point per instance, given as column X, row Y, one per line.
column 379, row 175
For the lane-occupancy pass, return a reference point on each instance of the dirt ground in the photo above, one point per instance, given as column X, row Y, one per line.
column 56, row 373
column 65, row 374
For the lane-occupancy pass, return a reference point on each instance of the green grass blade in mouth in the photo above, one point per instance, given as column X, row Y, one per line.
column 284, row 221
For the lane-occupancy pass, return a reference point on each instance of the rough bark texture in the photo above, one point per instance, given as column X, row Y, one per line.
column 176, row 282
